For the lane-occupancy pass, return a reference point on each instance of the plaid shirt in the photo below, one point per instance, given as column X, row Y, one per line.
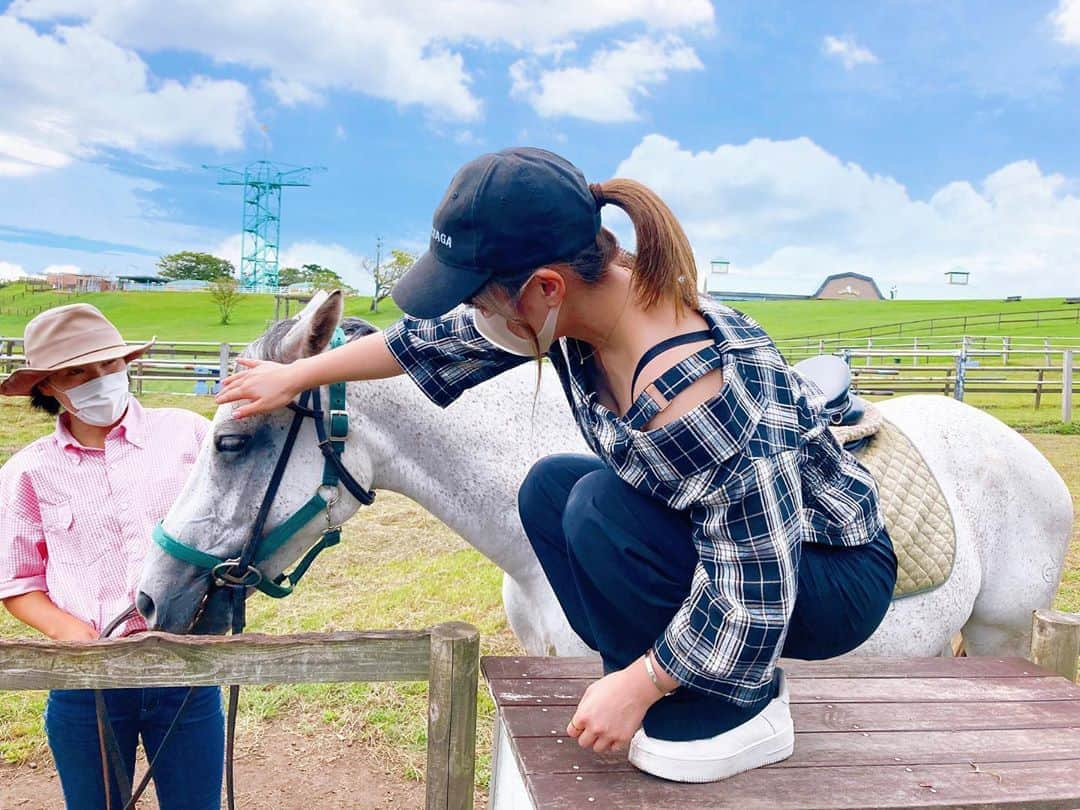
column 755, row 466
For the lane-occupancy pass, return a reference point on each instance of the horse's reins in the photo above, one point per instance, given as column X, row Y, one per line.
column 241, row 572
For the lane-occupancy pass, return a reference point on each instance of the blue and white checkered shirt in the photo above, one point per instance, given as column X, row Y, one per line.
column 755, row 466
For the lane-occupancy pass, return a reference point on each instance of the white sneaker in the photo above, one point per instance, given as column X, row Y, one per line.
column 763, row 739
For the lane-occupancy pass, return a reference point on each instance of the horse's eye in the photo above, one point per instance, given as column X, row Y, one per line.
column 231, row 442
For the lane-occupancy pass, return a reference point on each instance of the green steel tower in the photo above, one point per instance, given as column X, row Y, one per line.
column 262, row 182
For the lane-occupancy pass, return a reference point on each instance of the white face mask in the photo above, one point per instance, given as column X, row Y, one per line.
column 497, row 330
column 101, row 401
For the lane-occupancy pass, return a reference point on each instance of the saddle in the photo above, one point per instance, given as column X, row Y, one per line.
column 853, row 420
column 913, row 506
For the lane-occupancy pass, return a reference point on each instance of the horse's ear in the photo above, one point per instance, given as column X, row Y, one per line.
column 314, row 328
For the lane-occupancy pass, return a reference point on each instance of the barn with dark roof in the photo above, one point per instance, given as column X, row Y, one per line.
column 849, row 286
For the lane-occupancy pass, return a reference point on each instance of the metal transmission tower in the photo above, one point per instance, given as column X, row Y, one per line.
column 262, row 182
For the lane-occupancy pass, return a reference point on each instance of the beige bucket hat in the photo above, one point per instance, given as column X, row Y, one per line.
column 62, row 337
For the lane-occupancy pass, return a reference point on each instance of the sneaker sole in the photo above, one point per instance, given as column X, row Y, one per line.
column 772, row 749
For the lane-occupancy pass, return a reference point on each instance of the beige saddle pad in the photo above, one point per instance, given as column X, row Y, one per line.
column 917, row 516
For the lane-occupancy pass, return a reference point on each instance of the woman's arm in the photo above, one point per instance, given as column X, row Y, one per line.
column 37, row 610
column 444, row 357
column 267, row 385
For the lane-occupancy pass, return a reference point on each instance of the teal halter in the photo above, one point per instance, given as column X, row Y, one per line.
column 241, row 572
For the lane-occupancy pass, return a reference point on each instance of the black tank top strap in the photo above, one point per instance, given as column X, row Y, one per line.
column 658, row 394
column 663, row 346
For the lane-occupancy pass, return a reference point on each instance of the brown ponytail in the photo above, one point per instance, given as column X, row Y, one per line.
column 664, row 266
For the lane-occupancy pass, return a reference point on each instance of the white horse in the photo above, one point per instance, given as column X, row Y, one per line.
column 1012, row 512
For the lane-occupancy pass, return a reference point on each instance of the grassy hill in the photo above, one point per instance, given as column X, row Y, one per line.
column 192, row 315
column 169, row 315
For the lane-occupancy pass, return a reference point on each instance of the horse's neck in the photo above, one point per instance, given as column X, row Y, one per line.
column 464, row 464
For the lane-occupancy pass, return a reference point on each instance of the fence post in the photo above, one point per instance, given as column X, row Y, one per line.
column 1038, row 389
column 915, row 351
column 1046, row 348
column 1005, row 351
column 7, row 358
column 451, row 752
column 1066, row 385
column 869, row 348
column 224, row 353
column 1055, row 641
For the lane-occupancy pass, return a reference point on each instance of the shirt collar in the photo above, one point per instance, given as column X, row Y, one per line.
column 132, row 428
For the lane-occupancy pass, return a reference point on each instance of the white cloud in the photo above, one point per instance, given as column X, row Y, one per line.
column 607, row 88
column 788, row 213
column 11, row 272
column 1066, row 20
column 849, row 52
column 402, row 52
column 72, row 92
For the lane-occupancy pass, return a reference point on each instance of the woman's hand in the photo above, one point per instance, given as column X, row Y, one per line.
column 73, row 629
column 612, row 709
column 265, row 385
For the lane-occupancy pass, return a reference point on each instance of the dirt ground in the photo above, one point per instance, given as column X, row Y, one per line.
column 279, row 769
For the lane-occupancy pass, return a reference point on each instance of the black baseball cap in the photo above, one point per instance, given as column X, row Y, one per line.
column 504, row 213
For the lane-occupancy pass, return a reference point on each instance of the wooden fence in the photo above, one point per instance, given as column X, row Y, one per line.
column 446, row 655
column 881, row 366
column 961, row 323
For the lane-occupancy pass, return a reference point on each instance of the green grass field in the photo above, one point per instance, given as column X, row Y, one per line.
column 172, row 315
column 192, row 315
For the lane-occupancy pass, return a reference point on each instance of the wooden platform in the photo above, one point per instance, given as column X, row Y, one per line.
column 870, row 732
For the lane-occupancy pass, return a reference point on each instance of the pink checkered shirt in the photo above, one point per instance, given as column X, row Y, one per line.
column 75, row 521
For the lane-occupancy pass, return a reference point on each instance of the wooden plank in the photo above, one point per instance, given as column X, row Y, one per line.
column 162, row 659
column 563, row 755
column 566, row 691
column 451, row 753
column 930, row 690
column 1043, row 785
column 844, row 667
column 547, row 721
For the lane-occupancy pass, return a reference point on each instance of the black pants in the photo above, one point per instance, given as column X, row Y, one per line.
column 621, row 562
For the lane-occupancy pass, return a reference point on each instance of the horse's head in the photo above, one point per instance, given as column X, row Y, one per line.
column 217, row 509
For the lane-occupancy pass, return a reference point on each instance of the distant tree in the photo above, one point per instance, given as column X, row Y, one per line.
column 289, row 275
column 323, row 278
column 191, row 265
column 387, row 274
column 225, row 294
column 319, row 277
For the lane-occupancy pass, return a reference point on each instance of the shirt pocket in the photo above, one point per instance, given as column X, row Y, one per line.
column 74, row 540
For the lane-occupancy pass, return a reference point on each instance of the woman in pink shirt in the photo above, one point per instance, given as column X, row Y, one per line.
column 76, row 512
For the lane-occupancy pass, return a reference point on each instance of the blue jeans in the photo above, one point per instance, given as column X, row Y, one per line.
column 188, row 774
column 621, row 563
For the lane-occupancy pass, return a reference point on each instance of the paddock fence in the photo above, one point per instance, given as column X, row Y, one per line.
column 961, row 324
column 446, row 656
column 952, row 365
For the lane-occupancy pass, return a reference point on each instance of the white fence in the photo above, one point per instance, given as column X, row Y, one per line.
column 953, row 366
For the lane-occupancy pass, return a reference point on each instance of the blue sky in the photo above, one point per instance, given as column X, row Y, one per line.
column 900, row 139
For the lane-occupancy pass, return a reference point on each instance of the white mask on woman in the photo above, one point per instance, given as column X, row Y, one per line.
column 496, row 329
column 101, row 401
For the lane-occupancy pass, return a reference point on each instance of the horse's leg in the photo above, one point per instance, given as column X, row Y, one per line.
column 536, row 618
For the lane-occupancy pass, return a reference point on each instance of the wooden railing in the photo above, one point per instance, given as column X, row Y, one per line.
column 446, row 655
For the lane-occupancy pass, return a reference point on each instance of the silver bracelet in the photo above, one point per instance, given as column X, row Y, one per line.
column 652, row 675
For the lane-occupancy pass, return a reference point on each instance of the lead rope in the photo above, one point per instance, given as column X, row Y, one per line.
column 107, row 744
